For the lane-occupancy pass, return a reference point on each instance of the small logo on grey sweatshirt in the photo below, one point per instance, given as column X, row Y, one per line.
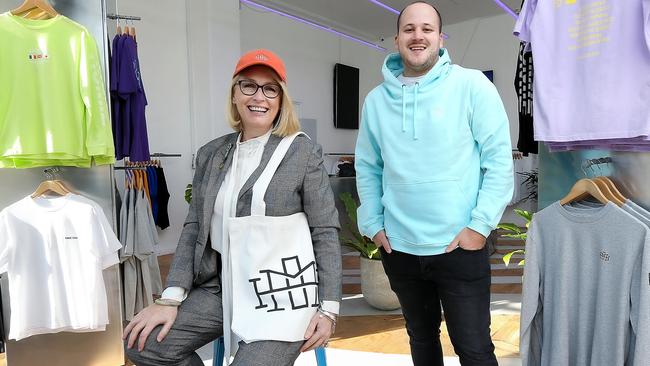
column 604, row 256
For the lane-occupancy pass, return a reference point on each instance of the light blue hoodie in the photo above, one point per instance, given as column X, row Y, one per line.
column 432, row 158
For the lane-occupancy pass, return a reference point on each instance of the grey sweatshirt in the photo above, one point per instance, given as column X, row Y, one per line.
column 585, row 288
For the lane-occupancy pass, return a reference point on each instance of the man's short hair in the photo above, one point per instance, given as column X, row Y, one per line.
column 399, row 17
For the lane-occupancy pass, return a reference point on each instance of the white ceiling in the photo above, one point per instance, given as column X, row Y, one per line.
column 372, row 23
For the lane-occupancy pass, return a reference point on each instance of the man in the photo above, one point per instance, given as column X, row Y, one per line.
column 434, row 174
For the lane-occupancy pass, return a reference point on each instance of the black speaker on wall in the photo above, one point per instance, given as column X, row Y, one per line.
column 346, row 96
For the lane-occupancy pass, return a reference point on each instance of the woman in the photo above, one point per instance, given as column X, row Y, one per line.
column 192, row 310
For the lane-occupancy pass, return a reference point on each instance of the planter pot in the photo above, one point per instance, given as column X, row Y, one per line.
column 375, row 286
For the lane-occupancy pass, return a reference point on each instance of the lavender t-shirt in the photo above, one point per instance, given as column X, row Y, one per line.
column 592, row 68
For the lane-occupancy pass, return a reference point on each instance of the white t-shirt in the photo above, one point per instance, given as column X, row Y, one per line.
column 54, row 251
column 409, row 80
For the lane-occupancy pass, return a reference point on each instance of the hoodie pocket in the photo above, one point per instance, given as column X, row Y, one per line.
column 425, row 213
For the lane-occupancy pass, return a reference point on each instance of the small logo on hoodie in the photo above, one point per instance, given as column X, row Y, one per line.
column 604, row 256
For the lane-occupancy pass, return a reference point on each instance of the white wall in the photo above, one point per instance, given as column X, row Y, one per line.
column 184, row 48
column 488, row 44
column 213, row 51
column 310, row 55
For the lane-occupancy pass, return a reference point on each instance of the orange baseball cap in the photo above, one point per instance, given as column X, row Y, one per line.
column 262, row 57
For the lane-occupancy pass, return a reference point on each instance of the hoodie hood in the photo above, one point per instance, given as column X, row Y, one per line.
column 394, row 66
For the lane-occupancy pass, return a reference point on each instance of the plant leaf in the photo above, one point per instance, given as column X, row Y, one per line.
column 516, row 236
column 508, row 256
column 510, row 227
column 525, row 214
column 358, row 242
column 354, row 245
column 350, row 206
column 188, row 193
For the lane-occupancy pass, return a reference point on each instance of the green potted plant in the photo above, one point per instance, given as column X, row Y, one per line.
column 531, row 183
column 188, row 193
column 514, row 231
column 374, row 282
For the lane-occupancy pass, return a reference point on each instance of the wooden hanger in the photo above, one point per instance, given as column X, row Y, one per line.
column 55, row 186
column 612, row 187
column 604, row 187
column 35, row 9
column 134, row 179
column 127, row 179
column 118, row 31
column 583, row 188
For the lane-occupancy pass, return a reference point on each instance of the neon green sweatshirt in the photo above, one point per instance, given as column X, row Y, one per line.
column 53, row 108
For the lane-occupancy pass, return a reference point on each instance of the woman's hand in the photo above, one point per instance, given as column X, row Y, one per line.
column 146, row 320
column 318, row 332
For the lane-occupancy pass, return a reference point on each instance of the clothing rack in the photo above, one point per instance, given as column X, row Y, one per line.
column 130, row 168
column 52, row 172
column 165, row 155
column 125, row 17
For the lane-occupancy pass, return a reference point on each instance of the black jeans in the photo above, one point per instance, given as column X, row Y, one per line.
column 460, row 280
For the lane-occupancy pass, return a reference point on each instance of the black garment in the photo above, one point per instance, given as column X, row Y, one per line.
column 461, row 281
column 524, row 88
column 162, row 219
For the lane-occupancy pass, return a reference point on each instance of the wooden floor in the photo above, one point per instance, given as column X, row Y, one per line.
column 386, row 334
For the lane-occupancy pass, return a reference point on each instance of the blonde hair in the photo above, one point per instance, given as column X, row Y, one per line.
column 285, row 124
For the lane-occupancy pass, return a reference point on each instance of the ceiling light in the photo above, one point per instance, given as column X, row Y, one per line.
column 506, row 8
column 380, row 4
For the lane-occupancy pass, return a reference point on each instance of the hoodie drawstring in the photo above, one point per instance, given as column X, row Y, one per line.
column 403, row 108
column 415, row 110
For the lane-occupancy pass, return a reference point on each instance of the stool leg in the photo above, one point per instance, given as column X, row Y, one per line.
column 321, row 359
column 218, row 352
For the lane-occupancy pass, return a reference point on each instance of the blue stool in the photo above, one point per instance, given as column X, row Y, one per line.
column 219, row 349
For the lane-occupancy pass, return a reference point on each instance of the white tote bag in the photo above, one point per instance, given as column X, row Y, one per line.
column 275, row 283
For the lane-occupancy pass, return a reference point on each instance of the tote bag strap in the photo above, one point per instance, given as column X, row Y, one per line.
column 258, row 206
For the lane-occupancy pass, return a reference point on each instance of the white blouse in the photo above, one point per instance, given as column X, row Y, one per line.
column 248, row 159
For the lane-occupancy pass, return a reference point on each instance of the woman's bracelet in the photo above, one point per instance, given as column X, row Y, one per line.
column 331, row 316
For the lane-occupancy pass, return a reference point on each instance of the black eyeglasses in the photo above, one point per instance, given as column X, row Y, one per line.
column 249, row 87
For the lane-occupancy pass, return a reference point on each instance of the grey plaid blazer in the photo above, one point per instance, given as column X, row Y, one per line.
column 300, row 184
